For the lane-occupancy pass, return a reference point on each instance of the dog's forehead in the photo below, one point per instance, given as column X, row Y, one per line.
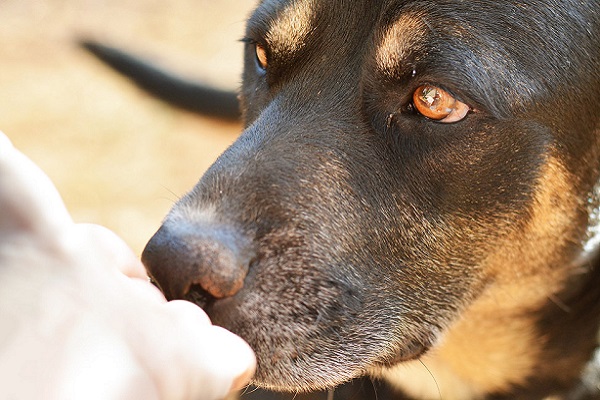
column 284, row 20
column 497, row 50
column 285, row 24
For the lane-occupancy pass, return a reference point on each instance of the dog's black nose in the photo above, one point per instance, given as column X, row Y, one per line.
column 182, row 255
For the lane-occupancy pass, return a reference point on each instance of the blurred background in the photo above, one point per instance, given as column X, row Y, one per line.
column 118, row 157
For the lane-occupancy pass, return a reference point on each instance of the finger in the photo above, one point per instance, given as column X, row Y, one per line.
column 211, row 360
column 146, row 289
column 187, row 316
column 108, row 248
column 216, row 357
column 219, row 361
column 28, row 200
column 237, row 357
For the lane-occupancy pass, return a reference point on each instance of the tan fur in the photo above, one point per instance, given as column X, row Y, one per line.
column 533, row 249
column 395, row 43
column 291, row 29
column 494, row 344
column 485, row 350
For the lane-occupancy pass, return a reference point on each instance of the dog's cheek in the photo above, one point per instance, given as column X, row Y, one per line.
column 552, row 233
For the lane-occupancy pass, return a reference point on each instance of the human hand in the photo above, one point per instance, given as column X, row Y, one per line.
column 78, row 318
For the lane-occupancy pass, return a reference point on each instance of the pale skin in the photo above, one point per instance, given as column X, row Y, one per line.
column 78, row 318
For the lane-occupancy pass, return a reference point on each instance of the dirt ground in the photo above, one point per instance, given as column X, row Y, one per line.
column 118, row 157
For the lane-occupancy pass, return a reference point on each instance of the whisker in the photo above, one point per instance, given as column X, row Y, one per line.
column 559, row 303
column 432, row 377
column 374, row 388
column 330, row 394
column 175, row 195
column 254, row 389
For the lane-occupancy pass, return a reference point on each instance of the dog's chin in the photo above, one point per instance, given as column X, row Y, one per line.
column 327, row 371
column 287, row 377
column 294, row 356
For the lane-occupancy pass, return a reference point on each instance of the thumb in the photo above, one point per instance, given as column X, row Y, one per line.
column 28, row 199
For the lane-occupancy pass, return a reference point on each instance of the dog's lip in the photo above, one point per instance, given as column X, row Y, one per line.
column 412, row 350
column 222, row 312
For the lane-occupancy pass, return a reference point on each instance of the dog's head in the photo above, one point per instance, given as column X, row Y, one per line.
column 402, row 160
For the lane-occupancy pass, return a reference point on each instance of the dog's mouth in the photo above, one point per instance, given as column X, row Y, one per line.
column 200, row 297
column 412, row 348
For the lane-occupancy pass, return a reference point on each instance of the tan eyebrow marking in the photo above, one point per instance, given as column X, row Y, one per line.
column 401, row 38
column 293, row 25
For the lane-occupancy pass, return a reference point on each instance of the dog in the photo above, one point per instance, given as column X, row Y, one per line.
column 415, row 197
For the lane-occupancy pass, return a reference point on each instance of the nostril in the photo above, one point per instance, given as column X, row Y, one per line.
column 183, row 256
column 223, row 272
column 199, row 296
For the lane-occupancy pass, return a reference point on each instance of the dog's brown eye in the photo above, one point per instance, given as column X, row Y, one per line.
column 261, row 56
column 437, row 104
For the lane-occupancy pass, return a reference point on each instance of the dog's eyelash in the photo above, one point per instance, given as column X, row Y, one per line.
column 248, row 40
